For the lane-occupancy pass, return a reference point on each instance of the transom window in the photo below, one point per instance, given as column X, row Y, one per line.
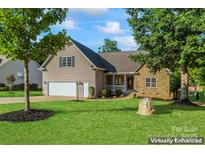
column 150, row 82
column 66, row 61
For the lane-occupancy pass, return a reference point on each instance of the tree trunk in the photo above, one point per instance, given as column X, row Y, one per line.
column 26, row 86
column 184, row 95
column 184, row 83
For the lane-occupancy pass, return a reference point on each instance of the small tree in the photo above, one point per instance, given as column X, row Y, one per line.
column 25, row 34
column 109, row 46
column 10, row 80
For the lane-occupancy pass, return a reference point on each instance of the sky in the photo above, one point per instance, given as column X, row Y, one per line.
column 91, row 26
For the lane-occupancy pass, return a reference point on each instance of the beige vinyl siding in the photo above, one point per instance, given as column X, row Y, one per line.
column 81, row 71
column 99, row 81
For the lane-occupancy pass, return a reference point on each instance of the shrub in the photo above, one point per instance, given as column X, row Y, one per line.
column 18, row 87
column 15, row 87
column 91, row 92
column 109, row 92
column 118, row 92
column 10, row 80
column 34, row 86
column 2, row 85
column 104, row 93
column 4, row 88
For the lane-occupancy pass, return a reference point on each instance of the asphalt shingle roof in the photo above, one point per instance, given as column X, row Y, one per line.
column 97, row 60
column 121, row 61
column 109, row 61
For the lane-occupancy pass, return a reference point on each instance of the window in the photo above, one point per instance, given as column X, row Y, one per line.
column 150, row 82
column 19, row 75
column 116, row 80
column 119, row 80
column 66, row 61
column 0, row 60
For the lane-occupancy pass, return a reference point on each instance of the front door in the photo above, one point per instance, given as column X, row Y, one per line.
column 130, row 82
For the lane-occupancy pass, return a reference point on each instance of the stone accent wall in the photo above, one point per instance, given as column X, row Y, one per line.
column 162, row 89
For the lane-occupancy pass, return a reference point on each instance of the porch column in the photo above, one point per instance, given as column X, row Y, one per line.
column 125, row 82
column 113, row 82
column 105, row 76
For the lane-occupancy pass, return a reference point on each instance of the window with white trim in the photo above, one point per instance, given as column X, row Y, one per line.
column 151, row 82
column 66, row 61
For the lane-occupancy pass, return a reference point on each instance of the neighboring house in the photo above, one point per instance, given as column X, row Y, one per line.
column 113, row 70
column 16, row 68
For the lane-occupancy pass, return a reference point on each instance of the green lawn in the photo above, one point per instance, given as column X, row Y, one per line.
column 103, row 122
column 19, row 93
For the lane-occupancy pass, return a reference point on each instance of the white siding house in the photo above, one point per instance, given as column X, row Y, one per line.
column 8, row 67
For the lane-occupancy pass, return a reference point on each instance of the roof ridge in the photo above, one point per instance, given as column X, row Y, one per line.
column 115, row 52
column 4, row 59
column 93, row 57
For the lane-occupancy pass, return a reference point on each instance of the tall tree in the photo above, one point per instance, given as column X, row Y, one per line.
column 109, row 46
column 25, row 34
column 173, row 38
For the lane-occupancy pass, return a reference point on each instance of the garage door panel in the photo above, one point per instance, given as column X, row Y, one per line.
column 62, row 88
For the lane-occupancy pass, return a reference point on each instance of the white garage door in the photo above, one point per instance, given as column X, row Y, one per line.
column 62, row 89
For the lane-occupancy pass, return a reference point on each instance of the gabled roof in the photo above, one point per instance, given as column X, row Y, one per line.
column 3, row 60
column 91, row 55
column 121, row 61
column 96, row 60
column 111, row 62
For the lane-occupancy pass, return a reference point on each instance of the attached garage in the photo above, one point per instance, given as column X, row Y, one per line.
column 62, row 89
column 67, row 89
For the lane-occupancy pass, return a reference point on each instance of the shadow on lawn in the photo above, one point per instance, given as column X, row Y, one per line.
column 169, row 108
column 127, row 109
column 159, row 109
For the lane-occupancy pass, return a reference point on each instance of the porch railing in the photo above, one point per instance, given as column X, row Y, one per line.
column 114, row 87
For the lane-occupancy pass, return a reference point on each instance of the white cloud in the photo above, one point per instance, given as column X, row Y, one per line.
column 68, row 24
column 111, row 27
column 91, row 11
column 127, row 42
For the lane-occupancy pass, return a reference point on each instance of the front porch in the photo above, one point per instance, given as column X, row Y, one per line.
column 124, row 82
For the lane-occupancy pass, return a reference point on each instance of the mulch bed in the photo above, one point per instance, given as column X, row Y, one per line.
column 22, row 116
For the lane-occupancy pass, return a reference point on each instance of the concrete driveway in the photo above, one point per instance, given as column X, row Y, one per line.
column 8, row 100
